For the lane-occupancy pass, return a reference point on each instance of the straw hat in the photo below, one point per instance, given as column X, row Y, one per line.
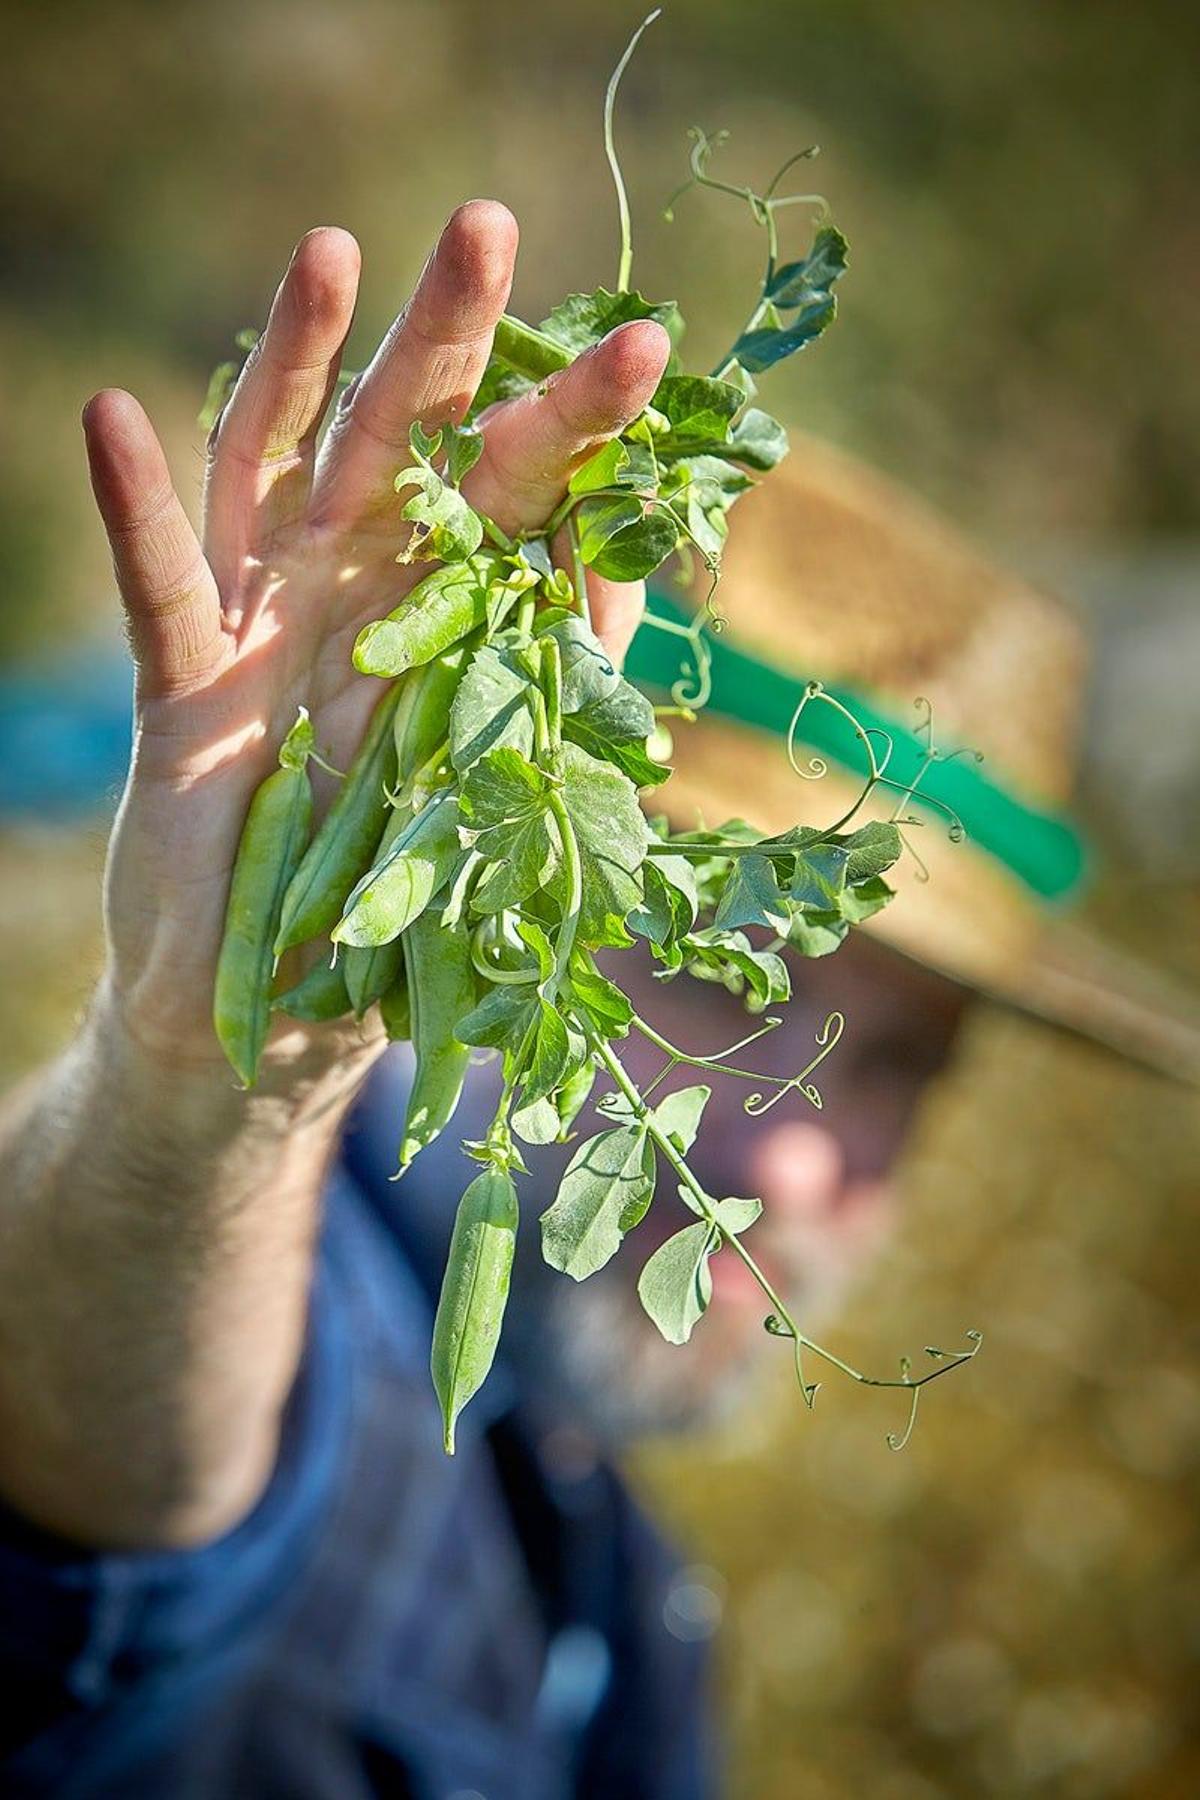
column 836, row 573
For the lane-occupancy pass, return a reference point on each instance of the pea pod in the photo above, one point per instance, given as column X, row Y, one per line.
column 369, row 973
column 422, row 720
column 410, row 869
column 273, row 840
column 441, row 991
column 444, row 606
column 347, row 836
column 394, row 1010
column 470, row 1310
column 319, row 996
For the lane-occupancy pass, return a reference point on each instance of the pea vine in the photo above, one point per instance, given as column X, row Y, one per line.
column 490, row 839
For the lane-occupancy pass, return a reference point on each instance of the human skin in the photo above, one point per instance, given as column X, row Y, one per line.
column 158, row 1223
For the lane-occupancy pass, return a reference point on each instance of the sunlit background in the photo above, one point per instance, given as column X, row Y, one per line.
column 1011, row 1606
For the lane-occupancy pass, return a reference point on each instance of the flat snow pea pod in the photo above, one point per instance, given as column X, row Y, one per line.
column 319, row 996
column 394, row 1009
column 470, row 1310
column 273, row 839
column 410, row 869
column 444, row 606
column 441, row 991
column 370, row 973
column 422, row 721
column 346, row 838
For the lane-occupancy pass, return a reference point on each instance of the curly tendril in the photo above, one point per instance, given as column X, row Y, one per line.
column 827, row 1038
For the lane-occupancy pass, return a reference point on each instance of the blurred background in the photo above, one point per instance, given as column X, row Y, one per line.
column 1013, row 1605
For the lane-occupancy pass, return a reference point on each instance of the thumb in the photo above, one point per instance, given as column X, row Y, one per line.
column 172, row 607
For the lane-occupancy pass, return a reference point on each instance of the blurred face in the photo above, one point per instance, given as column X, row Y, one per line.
column 824, row 1176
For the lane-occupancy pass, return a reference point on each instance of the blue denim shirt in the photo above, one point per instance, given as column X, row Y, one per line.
column 387, row 1620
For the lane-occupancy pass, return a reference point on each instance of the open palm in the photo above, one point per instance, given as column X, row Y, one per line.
column 299, row 545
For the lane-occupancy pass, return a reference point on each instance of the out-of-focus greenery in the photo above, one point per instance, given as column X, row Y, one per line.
column 1010, row 1606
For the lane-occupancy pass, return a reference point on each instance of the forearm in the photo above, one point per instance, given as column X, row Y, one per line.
column 158, row 1228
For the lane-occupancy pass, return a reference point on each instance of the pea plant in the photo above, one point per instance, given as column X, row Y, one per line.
column 490, row 838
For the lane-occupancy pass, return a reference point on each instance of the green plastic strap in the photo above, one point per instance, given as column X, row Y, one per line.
column 1044, row 850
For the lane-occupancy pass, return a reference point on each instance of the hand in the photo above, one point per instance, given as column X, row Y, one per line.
column 299, row 546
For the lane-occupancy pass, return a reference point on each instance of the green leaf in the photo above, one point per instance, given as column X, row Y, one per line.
column 464, row 447
column 606, row 1007
column 501, row 1019
column 765, row 346
column 873, row 849
column 668, row 910
column 550, row 1121
column 636, row 551
column 818, row 877
column 583, row 319
column 728, row 957
column 752, row 896
column 630, row 758
column 735, row 1215
column 865, row 899
column 678, row 1116
column 615, row 729
column 601, row 518
column 704, row 488
column 299, row 743
column 812, row 872
column 490, row 710
column 675, row 1286
column 757, row 440
column 816, row 934
column 612, row 834
column 536, row 1123
column 503, row 802
column 605, row 1192
column 588, row 675
column 573, row 1096
column 448, row 529
column 603, row 470
column 553, row 1054
column 699, row 408
column 796, row 282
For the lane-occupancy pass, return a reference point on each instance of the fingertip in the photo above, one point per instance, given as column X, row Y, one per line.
column 637, row 352
column 611, row 382
column 485, row 218
column 478, row 244
column 323, row 275
column 111, row 412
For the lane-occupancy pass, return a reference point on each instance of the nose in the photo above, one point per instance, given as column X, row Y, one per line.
column 799, row 1168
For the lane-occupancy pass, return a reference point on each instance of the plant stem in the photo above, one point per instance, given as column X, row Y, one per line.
column 552, row 690
column 579, row 574
column 610, row 150
column 574, row 896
